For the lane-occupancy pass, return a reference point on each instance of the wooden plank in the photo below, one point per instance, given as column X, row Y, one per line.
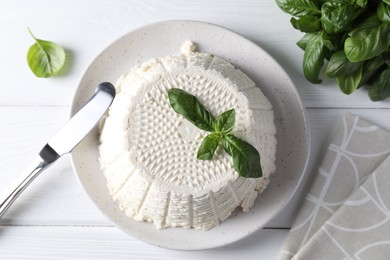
column 110, row 243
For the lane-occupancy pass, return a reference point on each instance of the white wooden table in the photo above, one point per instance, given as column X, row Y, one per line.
column 54, row 218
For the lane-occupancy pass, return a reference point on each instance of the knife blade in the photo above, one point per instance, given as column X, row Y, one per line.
column 80, row 124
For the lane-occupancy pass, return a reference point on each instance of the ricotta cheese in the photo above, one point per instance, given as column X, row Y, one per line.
column 148, row 152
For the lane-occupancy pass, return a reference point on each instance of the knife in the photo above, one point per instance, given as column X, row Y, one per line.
column 63, row 141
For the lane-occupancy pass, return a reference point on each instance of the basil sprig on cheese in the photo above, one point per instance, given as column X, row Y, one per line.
column 246, row 159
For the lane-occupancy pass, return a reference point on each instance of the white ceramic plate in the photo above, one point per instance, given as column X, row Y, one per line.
column 164, row 38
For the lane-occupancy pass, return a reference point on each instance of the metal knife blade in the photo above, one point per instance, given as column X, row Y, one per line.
column 80, row 124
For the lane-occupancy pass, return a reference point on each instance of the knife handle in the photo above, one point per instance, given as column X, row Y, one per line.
column 8, row 197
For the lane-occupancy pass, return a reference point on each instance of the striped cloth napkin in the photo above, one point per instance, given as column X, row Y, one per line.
column 346, row 214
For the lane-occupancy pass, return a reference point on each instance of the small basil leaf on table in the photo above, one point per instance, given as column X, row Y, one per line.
column 189, row 106
column 208, row 146
column 225, row 122
column 246, row 159
column 45, row 58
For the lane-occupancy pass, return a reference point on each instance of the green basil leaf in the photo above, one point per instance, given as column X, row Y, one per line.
column 45, row 58
column 349, row 83
column 189, row 106
column 313, row 59
column 305, row 40
column 387, row 1
column 299, row 7
column 246, row 159
column 380, row 89
column 225, row 122
column 331, row 41
column 337, row 16
column 368, row 40
column 306, row 23
column 339, row 65
column 208, row 146
column 383, row 12
column 371, row 68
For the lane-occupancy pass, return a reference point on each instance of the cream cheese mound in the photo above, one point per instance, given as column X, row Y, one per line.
column 148, row 151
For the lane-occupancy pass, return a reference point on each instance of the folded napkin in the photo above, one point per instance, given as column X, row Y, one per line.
column 346, row 213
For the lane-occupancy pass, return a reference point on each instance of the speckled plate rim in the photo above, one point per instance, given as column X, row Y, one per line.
column 164, row 38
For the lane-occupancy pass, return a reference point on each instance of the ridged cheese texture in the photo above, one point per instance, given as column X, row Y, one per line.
column 148, row 151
